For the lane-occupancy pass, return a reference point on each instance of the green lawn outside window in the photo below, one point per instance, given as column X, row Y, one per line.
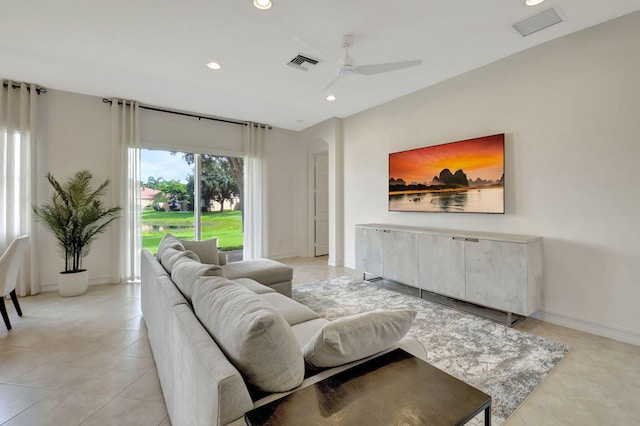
column 227, row 226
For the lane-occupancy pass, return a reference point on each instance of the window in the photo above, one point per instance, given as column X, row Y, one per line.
column 193, row 196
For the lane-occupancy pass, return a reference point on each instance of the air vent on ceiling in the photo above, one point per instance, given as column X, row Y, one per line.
column 537, row 22
column 302, row 62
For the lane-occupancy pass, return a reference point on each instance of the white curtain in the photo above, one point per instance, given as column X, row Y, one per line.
column 255, row 201
column 18, row 168
column 125, row 139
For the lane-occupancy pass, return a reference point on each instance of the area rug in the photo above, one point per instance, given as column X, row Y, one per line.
column 501, row 361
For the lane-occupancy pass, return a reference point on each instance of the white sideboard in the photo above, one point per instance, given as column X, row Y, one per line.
column 499, row 271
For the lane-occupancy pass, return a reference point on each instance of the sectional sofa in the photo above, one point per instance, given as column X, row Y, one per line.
column 223, row 346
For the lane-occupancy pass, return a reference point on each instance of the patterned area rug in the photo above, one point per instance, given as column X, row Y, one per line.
column 505, row 363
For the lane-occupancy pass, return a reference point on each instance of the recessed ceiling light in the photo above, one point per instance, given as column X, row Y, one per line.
column 331, row 98
column 214, row 65
column 527, row 2
column 262, row 4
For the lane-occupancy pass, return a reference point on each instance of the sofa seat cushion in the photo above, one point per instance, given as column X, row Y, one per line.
column 305, row 331
column 357, row 336
column 251, row 333
column 291, row 310
column 265, row 271
column 254, row 286
column 207, row 250
column 186, row 271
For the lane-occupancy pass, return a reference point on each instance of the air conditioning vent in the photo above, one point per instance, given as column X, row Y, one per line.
column 537, row 22
column 302, row 62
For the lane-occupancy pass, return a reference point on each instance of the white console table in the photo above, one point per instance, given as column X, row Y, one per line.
column 498, row 271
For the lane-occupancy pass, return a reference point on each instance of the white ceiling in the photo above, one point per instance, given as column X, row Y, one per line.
column 155, row 51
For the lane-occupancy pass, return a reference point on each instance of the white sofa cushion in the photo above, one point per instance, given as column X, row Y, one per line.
column 168, row 241
column 254, row 286
column 170, row 256
column 255, row 338
column 291, row 310
column 186, row 271
column 265, row 271
column 207, row 250
column 357, row 336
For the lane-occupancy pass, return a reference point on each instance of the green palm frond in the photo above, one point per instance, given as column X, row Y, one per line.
column 76, row 216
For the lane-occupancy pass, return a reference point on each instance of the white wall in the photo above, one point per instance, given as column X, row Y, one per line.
column 74, row 135
column 287, row 195
column 571, row 113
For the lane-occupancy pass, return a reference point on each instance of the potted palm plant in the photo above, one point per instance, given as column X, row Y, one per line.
column 76, row 216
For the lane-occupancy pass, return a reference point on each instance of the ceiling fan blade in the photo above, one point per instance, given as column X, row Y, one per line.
column 380, row 68
column 332, row 82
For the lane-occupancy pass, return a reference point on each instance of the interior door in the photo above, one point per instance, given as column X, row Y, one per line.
column 321, row 204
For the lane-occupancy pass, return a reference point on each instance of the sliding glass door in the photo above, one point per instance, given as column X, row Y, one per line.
column 193, row 196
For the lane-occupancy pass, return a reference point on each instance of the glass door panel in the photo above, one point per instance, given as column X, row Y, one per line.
column 167, row 205
column 170, row 184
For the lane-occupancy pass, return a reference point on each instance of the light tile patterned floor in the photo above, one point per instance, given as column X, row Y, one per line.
column 86, row 361
column 82, row 360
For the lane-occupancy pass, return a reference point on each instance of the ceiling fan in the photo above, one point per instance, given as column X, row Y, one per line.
column 347, row 65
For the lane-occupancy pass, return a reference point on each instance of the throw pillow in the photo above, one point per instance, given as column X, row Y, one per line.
column 207, row 250
column 170, row 256
column 355, row 337
column 253, row 336
column 168, row 241
column 186, row 271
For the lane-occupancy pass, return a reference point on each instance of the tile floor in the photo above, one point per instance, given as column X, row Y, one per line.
column 86, row 361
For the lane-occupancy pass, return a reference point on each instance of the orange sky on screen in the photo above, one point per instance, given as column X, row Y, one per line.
column 481, row 157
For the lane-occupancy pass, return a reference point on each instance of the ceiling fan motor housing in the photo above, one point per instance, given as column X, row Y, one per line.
column 347, row 41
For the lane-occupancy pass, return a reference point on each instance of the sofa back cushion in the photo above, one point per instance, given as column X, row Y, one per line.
column 186, row 271
column 357, row 336
column 251, row 333
column 168, row 241
column 170, row 256
column 207, row 250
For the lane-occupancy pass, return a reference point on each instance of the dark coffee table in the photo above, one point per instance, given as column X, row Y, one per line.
column 393, row 389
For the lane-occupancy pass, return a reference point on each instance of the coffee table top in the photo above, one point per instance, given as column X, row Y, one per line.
column 394, row 388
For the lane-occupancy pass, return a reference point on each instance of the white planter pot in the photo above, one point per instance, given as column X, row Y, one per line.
column 73, row 284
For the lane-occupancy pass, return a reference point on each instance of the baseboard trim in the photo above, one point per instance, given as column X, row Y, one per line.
column 278, row 256
column 48, row 287
column 604, row 330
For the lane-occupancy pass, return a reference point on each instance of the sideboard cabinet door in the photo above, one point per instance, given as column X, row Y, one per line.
column 401, row 256
column 369, row 250
column 441, row 263
column 497, row 275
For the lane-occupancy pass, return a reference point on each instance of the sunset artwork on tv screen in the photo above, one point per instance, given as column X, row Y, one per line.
column 465, row 176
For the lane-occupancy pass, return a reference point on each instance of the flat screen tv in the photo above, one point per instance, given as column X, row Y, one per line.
column 465, row 176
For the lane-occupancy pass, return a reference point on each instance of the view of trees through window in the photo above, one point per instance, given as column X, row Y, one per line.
column 169, row 204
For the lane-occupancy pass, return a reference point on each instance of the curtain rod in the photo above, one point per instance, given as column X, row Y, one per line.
column 199, row 117
column 39, row 89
